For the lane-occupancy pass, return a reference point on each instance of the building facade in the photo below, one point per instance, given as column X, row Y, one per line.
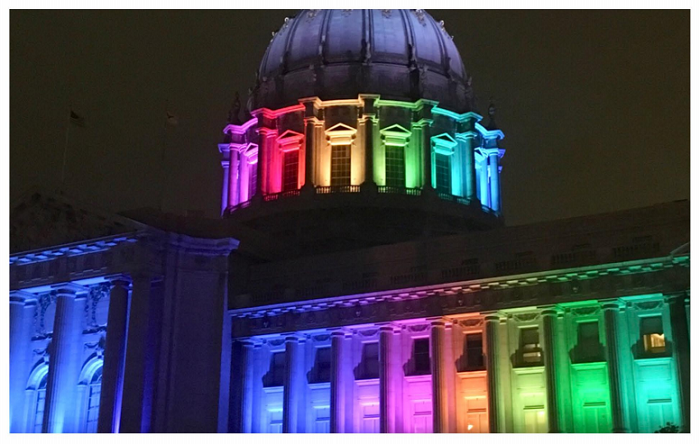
column 360, row 279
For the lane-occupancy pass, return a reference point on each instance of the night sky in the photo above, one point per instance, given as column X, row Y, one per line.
column 595, row 105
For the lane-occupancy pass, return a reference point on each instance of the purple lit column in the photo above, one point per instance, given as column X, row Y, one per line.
column 549, row 333
column 437, row 367
column 233, row 175
column 292, row 390
column 492, row 370
column 114, row 356
column 224, row 191
column 62, row 379
column 386, row 380
column 611, row 312
column 337, row 382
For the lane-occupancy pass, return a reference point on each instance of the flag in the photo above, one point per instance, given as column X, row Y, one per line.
column 76, row 119
column 170, row 119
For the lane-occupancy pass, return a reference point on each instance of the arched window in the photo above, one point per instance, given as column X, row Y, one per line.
column 93, row 401
column 40, row 403
column 36, row 398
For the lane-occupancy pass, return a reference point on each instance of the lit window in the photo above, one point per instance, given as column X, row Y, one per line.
column 530, row 345
column 421, row 356
column 93, row 404
column 291, row 171
column 395, row 166
column 653, row 334
column 443, row 173
column 370, row 361
column 340, row 165
column 40, row 403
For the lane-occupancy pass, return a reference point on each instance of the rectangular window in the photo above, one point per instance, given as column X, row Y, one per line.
column 252, row 179
column 421, row 356
column 653, row 334
column 322, row 365
column 588, row 347
column 443, row 174
column 340, row 165
column 291, row 171
column 473, row 347
column 276, row 370
column 530, row 345
column 395, row 166
column 370, row 360
column 39, row 411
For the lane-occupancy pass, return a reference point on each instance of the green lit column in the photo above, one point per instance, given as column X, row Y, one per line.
column 427, row 151
column 492, row 322
column 611, row 311
column 467, row 142
column 681, row 350
column 549, row 317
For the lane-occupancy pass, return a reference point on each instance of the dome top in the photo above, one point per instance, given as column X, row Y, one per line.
column 400, row 54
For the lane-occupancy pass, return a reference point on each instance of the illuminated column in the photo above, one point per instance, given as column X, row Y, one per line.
column 386, row 380
column 681, row 350
column 224, row 191
column 247, row 363
column 492, row 370
column 114, row 357
column 427, row 150
column 468, row 142
column 369, row 151
column 437, row 368
column 292, row 389
column 484, row 182
column 22, row 306
column 233, row 177
column 63, row 377
column 337, row 382
column 611, row 312
column 549, row 318
column 495, row 181
column 258, row 370
column 309, row 153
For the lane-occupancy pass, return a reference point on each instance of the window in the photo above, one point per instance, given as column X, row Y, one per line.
column 588, row 347
column 93, row 404
column 395, row 166
column 530, row 345
column 473, row 349
column 40, row 403
column 322, row 365
column 340, row 165
column 291, row 171
column 443, row 176
column 370, row 361
column 252, row 179
column 653, row 334
column 276, row 373
column 421, row 356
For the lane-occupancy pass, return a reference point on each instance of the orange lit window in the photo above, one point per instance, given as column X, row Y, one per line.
column 653, row 334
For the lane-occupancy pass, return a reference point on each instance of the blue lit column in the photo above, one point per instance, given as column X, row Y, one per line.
column 337, row 382
column 59, row 409
column 495, row 181
column 114, row 356
column 437, row 367
column 292, row 389
column 248, row 365
column 22, row 306
column 611, row 312
column 549, row 318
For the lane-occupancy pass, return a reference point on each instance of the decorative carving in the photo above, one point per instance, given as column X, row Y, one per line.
column 369, row 333
column 585, row 311
column 418, row 327
column 386, row 13
column 276, row 342
column 98, row 346
column 420, row 15
column 321, row 338
column 649, row 305
column 96, row 294
column 312, row 14
column 471, row 323
column 526, row 317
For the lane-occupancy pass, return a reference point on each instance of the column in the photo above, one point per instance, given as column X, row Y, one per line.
column 467, row 141
column 309, row 153
column 22, row 306
column 247, row 373
column 484, row 182
column 114, row 357
column 143, row 334
column 258, row 370
column 233, row 179
column 292, row 389
column 437, row 369
column 549, row 318
column 611, row 312
column 62, row 378
column 427, row 150
column 681, row 350
column 386, row 380
column 492, row 369
column 495, row 181
column 337, row 382
column 369, row 151
column 224, row 191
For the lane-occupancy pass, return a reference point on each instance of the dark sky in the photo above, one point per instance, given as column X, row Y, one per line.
column 595, row 105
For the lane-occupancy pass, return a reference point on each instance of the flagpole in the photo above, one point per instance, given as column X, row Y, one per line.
column 164, row 173
column 65, row 151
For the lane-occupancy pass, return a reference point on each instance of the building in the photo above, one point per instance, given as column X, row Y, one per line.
column 360, row 279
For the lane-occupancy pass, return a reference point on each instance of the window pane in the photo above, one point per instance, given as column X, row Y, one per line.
column 653, row 334
column 475, row 352
column 421, row 356
column 370, row 360
column 443, row 176
column 252, row 179
column 291, row 170
column 530, row 345
column 395, row 166
column 340, row 165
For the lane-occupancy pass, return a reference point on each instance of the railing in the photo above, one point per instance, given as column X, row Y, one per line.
column 386, row 189
column 338, row 189
column 282, row 195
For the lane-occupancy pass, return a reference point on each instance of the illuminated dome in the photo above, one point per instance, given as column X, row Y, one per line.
column 399, row 54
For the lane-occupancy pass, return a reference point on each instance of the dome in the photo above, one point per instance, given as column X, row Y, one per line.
column 399, row 54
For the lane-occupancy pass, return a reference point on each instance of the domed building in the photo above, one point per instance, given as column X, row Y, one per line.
column 360, row 279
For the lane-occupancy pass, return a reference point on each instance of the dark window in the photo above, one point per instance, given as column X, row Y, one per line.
column 652, row 332
column 291, row 171
column 421, row 356
column 93, row 407
column 340, row 165
column 370, row 361
column 276, row 370
column 530, row 345
column 588, row 348
column 252, row 179
column 474, row 351
column 395, row 166
column 443, row 174
column 40, row 403
column 322, row 365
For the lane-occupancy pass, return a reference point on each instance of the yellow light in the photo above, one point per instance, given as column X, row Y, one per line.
column 469, row 427
column 541, row 413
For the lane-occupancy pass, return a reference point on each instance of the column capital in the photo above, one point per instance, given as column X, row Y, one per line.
column 612, row 305
column 550, row 311
column 339, row 333
column 119, row 281
column 22, row 297
column 493, row 317
column 438, row 323
column 291, row 338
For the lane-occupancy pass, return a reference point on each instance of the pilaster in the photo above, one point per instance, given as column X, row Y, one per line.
column 611, row 312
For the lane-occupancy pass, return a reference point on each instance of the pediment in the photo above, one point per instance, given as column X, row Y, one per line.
column 340, row 128
column 445, row 139
column 289, row 136
column 41, row 220
column 396, row 130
